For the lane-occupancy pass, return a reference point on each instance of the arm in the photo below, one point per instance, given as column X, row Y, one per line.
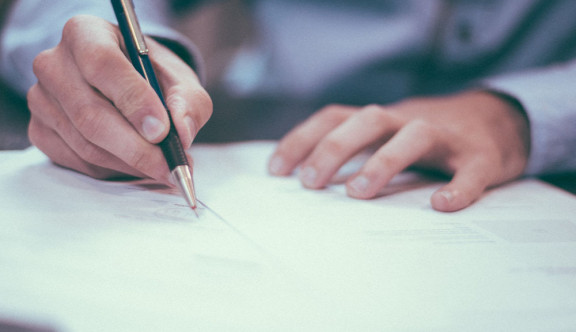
column 90, row 110
column 548, row 96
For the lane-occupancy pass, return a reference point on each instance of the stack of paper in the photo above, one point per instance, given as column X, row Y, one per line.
column 78, row 254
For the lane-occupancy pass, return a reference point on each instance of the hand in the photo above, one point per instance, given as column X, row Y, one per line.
column 91, row 111
column 478, row 137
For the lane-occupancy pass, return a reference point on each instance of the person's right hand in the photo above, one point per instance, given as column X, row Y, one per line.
column 92, row 112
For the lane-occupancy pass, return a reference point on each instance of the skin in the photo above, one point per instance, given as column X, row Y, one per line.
column 93, row 113
column 478, row 138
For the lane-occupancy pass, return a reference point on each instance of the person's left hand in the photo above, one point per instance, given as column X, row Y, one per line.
column 478, row 137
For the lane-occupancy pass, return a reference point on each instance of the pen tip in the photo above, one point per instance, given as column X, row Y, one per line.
column 183, row 179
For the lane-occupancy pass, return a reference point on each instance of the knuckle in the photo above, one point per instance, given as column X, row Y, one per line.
column 333, row 146
column 75, row 28
column 98, row 50
column 413, row 102
column 75, row 31
column 297, row 138
column 62, row 127
column 88, row 121
column 175, row 92
column 71, row 27
column 129, row 100
column 34, row 134
column 330, row 110
column 140, row 160
column 93, row 69
column 373, row 109
column 33, row 98
column 423, row 128
column 380, row 116
column 42, row 63
column 74, row 24
column 202, row 98
column 429, row 135
column 89, row 152
column 195, row 102
column 333, row 114
column 374, row 114
column 386, row 161
column 288, row 145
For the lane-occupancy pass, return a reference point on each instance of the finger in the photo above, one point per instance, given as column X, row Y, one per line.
column 189, row 103
column 190, row 107
column 411, row 143
column 105, row 67
column 359, row 131
column 300, row 141
column 467, row 185
column 48, row 141
column 96, row 119
column 53, row 123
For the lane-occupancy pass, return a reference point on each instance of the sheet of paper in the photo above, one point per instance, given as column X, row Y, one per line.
column 78, row 254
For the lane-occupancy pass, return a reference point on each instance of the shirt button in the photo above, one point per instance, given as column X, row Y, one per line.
column 464, row 31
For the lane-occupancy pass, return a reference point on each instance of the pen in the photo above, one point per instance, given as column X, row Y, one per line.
column 138, row 51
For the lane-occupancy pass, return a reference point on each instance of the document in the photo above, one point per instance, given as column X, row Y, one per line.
column 264, row 254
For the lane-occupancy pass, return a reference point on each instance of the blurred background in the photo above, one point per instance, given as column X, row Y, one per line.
column 14, row 115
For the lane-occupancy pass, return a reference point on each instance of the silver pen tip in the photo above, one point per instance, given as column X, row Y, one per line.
column 182, row 176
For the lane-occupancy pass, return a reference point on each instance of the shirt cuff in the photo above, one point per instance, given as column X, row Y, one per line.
column 548, row 96
column 179, row 44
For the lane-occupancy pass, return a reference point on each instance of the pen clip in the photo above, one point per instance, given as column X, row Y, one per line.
column 134, row 26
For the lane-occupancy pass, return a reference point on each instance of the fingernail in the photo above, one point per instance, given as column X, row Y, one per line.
column 359, row 184
column 191, row 127
column 308, row 176
column 152, row 128
column 276, row 165
column 448, row 195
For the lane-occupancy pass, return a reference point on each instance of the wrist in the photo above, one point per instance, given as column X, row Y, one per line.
column 512, row 117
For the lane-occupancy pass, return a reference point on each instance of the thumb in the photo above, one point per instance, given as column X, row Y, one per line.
column 466, row 187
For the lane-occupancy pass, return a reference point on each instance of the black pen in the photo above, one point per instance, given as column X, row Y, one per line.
column 138, row 51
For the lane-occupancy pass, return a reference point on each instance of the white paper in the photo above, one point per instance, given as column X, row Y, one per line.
column 78, row 254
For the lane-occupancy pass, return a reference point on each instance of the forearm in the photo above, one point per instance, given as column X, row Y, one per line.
column 548, row 97
column 36, row 25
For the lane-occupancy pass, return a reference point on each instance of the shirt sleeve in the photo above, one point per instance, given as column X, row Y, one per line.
column 548, row 96
column 36, row 25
